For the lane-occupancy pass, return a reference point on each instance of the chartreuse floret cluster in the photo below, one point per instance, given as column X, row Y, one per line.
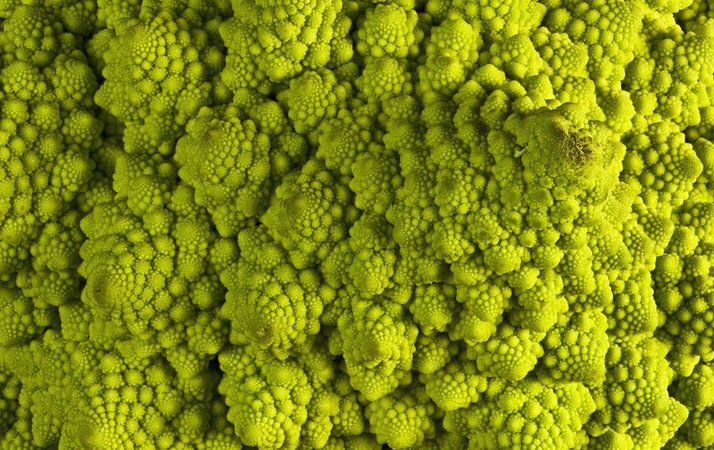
column 356, row 224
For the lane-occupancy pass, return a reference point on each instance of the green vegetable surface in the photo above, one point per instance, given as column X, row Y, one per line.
column 356, row 224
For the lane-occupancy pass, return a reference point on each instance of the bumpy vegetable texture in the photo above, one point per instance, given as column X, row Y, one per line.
column 340, row 224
